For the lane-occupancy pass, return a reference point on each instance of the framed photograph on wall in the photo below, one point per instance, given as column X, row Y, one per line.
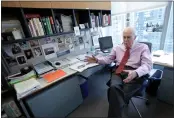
column 21, row 60
column 37, row 51
column 34, row 43
column 28, row 54
column 16, row 48
column 24, row 45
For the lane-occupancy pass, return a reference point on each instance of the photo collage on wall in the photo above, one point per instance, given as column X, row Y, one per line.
column 18, row 53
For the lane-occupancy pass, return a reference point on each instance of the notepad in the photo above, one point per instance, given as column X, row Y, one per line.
column 26, row 86
column 51, row 76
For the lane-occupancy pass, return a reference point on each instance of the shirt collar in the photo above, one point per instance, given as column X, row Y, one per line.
column 124, row 48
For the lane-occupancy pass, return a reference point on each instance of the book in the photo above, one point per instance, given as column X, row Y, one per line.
column 49, row 25
column 32, row 27
column 40, row 27
column 109, row 19
column 52, row 25
column 42, row 23
column 97, row 21
column 45, row 25
column 36, row 26
column 29, row 26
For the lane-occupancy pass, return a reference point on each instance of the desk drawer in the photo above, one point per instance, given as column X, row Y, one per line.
column 58, row 100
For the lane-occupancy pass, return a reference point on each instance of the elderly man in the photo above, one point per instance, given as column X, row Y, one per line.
column 133, row 62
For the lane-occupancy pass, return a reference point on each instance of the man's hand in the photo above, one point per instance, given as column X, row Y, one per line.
column 91, row 59
column 131, row 75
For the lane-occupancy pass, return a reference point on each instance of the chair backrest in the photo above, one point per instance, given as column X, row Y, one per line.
column 148, row 44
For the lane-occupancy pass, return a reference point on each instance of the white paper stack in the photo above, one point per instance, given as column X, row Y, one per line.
column 66, row 23
column 25, row 87
column 81, row 66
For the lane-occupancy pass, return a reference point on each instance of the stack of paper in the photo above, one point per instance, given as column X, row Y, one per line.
column 25, row 87
column 21, row 77
column 82, row 57
column 81, row 66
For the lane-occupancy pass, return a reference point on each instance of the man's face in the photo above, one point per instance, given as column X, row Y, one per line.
column 128, row 39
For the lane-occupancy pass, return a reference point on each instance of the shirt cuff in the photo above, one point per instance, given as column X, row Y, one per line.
column 138, row 73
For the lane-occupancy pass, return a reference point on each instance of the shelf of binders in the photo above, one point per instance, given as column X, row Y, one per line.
column 106, row 18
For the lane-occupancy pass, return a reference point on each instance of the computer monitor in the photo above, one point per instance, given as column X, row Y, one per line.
column 105, row 43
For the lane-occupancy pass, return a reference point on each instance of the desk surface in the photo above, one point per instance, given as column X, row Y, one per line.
column 164, row 60
column 45, row 84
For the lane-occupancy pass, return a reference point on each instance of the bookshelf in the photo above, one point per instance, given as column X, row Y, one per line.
column 24, row 15
column 82, row 17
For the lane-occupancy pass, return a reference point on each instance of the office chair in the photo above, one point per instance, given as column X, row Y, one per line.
column 157, row 75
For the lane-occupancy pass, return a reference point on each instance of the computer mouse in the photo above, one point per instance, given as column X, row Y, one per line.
column 57, row 63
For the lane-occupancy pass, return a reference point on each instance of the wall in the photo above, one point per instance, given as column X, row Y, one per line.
column 62, row 47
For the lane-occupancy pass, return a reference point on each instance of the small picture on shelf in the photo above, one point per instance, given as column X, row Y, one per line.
column 24, row 45
column 16, row 48
column 34, row 43
column 28, row 54
column 21, row 60
column 37, row 52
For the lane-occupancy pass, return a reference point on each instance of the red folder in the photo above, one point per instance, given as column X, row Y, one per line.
column 49, row 77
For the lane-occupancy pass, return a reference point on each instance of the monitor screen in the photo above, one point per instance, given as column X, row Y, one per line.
column 105, row 42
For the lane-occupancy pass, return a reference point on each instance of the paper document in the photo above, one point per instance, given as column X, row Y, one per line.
column 26, row 86
column 82, row 57
column 50, row 50
column 81, row 66
column 95, row 41
column 76, row 31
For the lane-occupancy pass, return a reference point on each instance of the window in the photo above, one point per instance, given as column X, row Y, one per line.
column 148, row 25
column 168, row 45
column 118, row 25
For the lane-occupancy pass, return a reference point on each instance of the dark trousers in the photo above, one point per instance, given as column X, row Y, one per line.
column 120, row 93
